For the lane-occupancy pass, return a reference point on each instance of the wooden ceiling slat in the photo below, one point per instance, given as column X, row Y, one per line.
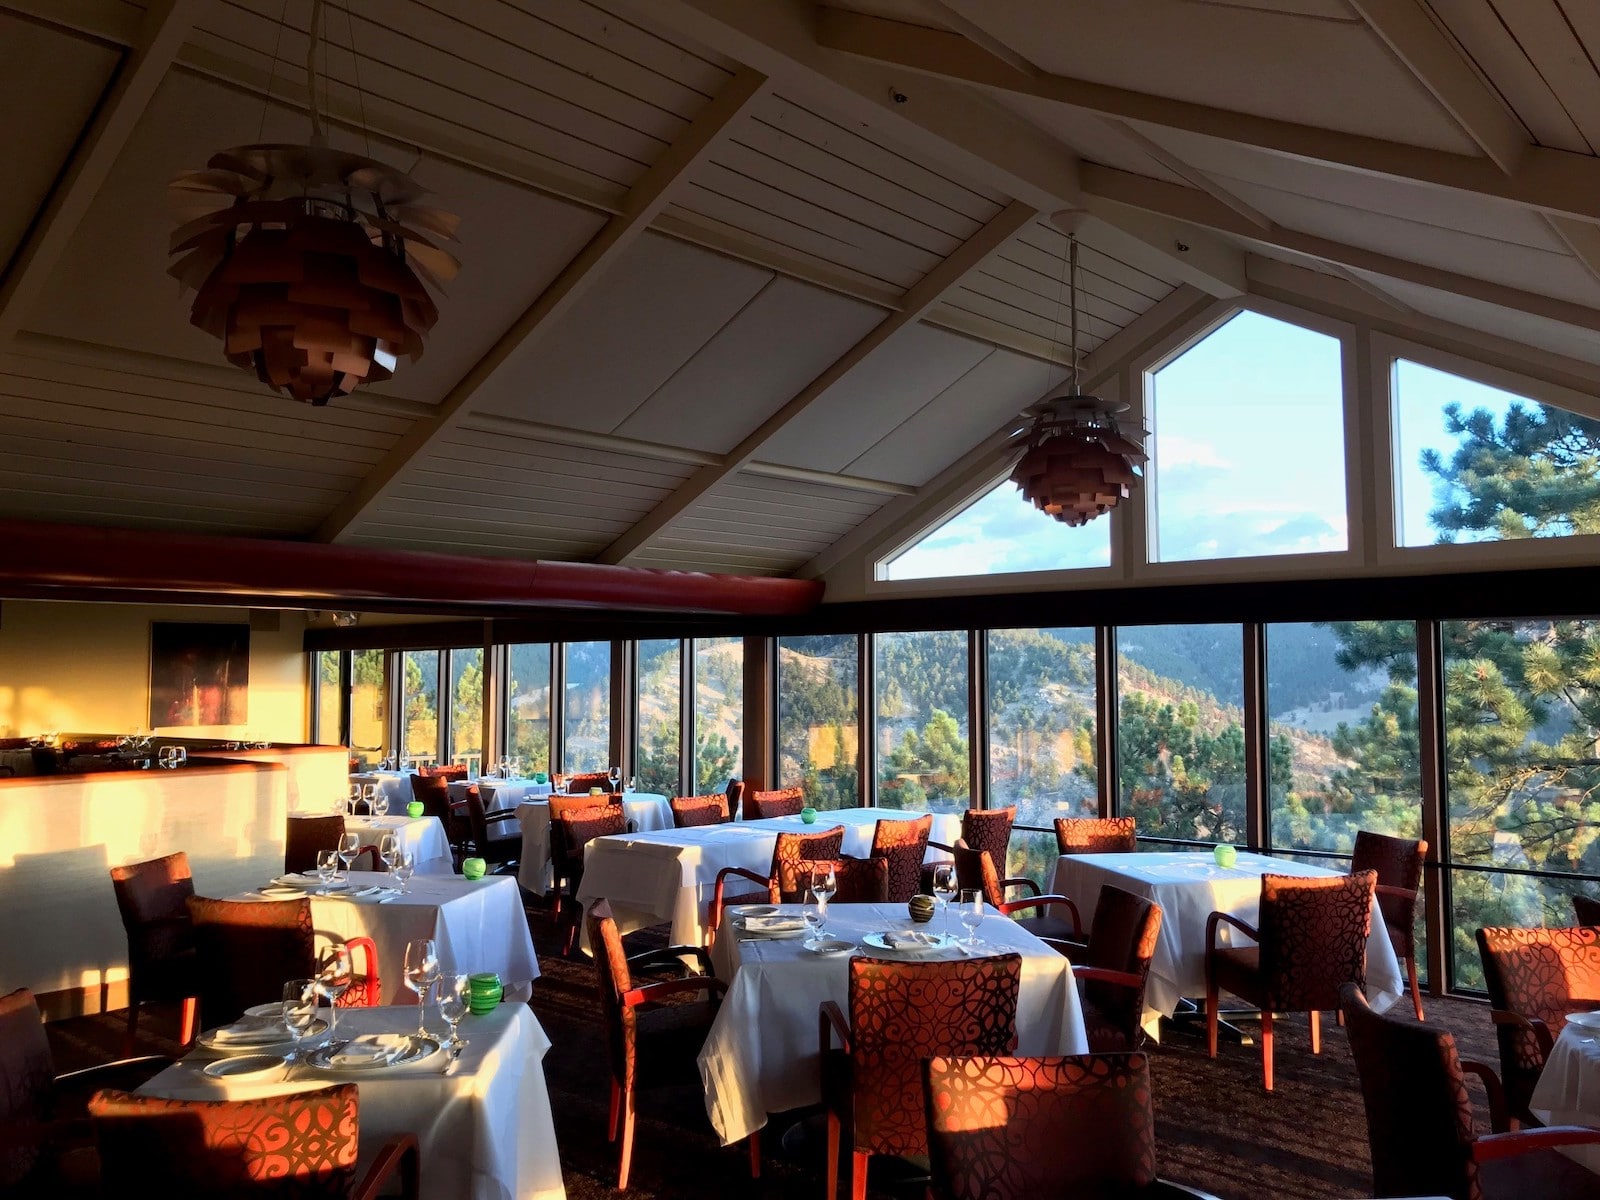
column 1027, row 268
column 597, row 24
column 1542, row 31
column 1044, row 249
column 427, row 510
column 997, row 287
column 1091, row 330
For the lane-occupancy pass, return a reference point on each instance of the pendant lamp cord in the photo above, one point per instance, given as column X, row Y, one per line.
column 1072, row 292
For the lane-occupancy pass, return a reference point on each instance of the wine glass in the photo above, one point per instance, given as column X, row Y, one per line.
column 823, row 885
column 369, row 793
column 352, row 800
column 389, row 851
column 558, row 783
column 349, row 845
column 380, row 805
column 335, row 973
column 405, row 866
column 299, row 1011
column 972, row 912
column 422, row 968
column 944, row 888
column 453, row 995
column 327, row 866
column 615, row 775
column 816, row 916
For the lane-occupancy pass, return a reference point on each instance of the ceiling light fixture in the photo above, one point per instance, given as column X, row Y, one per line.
column 1080, row 458
column 312, row 265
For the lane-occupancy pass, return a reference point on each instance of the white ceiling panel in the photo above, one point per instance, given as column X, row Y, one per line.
column 1580, row 344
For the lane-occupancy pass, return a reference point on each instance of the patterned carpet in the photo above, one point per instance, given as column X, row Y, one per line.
column 1218, row 1130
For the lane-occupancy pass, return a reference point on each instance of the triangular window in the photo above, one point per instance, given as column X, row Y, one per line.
column 1001, row 533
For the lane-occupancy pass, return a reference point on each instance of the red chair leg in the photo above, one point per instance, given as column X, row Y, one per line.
column 1416, row 996
column 627, row 1141
column 189, row 1021
column 833, row 1155
column 1316, row 1032
column 1212, row 1018
column 1266, row 1048
column 858, row 1175
column 755, row 1155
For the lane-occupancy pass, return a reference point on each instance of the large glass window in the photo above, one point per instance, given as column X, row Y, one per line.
column 1343, row 755
column 1180, row 730
column 659, row 754
column 1522, row 720
column 1002, row 533
column 466, row 708
column 819, row 736
column 528, row 705
column 419, row 705
column 924, row 758
column 718, row 712
column 367, row 704
column 1042, row 723
column 325, row 671
column 1478, row 464
column 1247, row 456
column 586, row 725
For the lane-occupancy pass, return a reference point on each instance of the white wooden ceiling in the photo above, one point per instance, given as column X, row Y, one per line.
column 738, row 273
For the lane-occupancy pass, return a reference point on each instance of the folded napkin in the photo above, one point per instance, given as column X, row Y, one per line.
column 910, row 940
column 252, row 1031
column 778, row 923
column 371, row 1050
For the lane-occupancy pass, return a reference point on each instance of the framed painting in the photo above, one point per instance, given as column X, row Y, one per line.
column 199, row 674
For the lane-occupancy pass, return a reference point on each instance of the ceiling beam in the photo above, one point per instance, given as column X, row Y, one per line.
column 113, row 21
column 1172, row 202
column 643, row 203
column 1548, row 180
column 166, row 23
column 922, row 296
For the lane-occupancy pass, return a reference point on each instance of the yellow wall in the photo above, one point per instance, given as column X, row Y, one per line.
column 86, row 668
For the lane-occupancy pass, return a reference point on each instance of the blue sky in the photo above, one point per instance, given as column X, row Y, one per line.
column 1247, row 460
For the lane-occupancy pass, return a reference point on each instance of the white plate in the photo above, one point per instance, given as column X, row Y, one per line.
column 1585, row 1020
column 282, row 1046
column 829, row 946
column 755, row 910
column 303, row 884
column 879, row 941
column 246, row 1066
column 273, row 1010
column 419, row 1049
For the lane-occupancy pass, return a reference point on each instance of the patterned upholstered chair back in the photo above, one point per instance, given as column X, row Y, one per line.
column 573, row 830
column 1586, row 909
column 434, row 793
column 1419, row 1114
column 793, row 848
column 1398, row 862
column 691, row 811
column 300, row 1146
column 563, row 806
column 152, row 898
column 246, row 952
column 905, row 845
column 860, row 880
column 1314, row 937
column 579, row 785
column 1122, row 937
column 1096, row 835
column 1542, row 974
column 308, row 835
column 1022, row 1128
column 612, row 980
column 989, row 829
column 904, row 1012
column 27, row 1077
column 450, row 773
column 781, row 802
column 976, row 869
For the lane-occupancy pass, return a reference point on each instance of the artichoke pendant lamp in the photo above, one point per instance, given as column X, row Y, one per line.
column 311, row 265
column 1080, row 459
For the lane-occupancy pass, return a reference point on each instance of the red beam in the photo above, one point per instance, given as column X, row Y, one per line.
column 38, row 560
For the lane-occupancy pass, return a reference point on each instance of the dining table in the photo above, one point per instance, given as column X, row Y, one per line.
column 1189, row 886
column 646, row 812
column 670, row 875
column 422, row 837
column 394, row 786
column 476, row 925
column 762, row 1053
column 483, row 1122
column 1568, row 1091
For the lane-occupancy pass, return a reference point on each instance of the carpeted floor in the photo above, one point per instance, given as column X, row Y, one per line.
column 1218, row 1130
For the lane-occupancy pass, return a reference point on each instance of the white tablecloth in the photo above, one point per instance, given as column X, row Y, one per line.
column 476, row 926
column 484, row 1129
column 393, row 784
column 671, row 875
column 1568, row 1092
column 761, row 1054
column 424, row 837
column 646, row 813
column 1189, row 886
column 508, row 793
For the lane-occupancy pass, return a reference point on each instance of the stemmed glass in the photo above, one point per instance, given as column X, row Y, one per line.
column 369, row 793
column 327, row 866
column 379, row 806
column 823, row 885
column 349, row 845
column 615, row 775
column 299, row 1011
column 422, row 968
column 354, row 799
column 389, row 851
column 972, row 912
column 335, row 974
column 453, row 995
column 944, row 889
column 405, row 866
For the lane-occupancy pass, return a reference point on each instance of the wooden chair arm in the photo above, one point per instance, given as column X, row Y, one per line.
column 1011, row 906
column 1021, row 881
column 400, row 1155
column 1526, row 1141
column 830, row 1018
column 114, row 1070
column 1125, row 979
column 669, row 957
column 716, row 895
column 1533, row 1025
column 651, row 992
column 1400, row 893
column 1217, row 918
column 1499, row 1119
column 933, row 845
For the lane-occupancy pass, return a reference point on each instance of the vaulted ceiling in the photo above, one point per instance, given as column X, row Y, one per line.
column 739, row 273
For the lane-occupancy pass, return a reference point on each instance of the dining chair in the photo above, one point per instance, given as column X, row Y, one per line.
column 151, row 899
column 779, row 802
column 1586, row 909
column 1420, row 1119
column 1096, row 835
column 247, row 949
column 579, row 785
column 305, row 837
column 571, row 829
column 735, row 795
column 1398, row 862
column 1112, row 967
column 690, row 812
column 858, row 880
column 789, row 848
column 499, row 853
column 1005, row 1128
column 301, row 1145
column 902, row 1012
column 1310, row 940
column 975, row 869
column 981, row 829
column 904, row 844
column 44, row 1149
column 451, row 773
column 651, row 1043
column 433, row 793
column 1534, row 978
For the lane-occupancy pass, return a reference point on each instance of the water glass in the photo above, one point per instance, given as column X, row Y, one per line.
column 380, row 805
column 823, row 885
column 615, row 775
column 421, row 969
column 944, row 888
column 335, row 973
column 405, row 866
column 369, row 793
column 453, row 995
column 389, row 851
column 972, row 912
column 327, row 866
column 299, row 1011
column 349, row 845
column 816, row 916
